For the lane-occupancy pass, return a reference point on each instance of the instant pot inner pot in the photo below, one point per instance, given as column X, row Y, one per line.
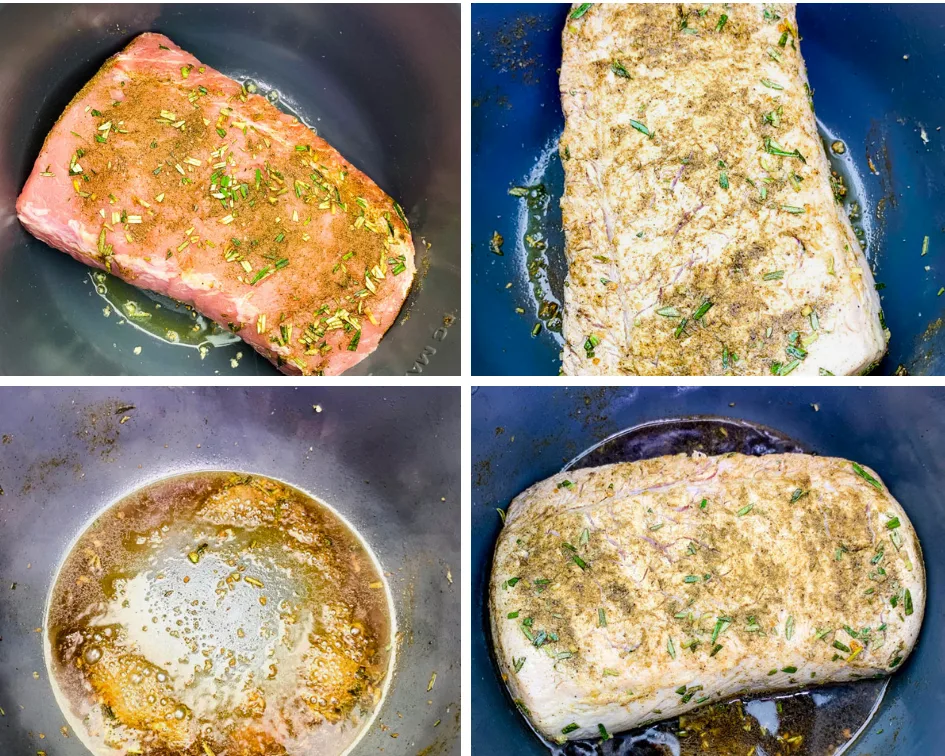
column 357, row 74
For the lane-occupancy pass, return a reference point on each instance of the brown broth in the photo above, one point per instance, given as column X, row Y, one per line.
column 820, row 721
column 219, row 612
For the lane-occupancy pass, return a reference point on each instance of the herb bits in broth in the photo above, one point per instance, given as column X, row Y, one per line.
column 817, row 722
column 219, row 613
column 163, row 318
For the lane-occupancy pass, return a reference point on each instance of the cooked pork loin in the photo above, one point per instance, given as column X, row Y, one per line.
column 702, row 232
column 635, row 592
column 172, row 176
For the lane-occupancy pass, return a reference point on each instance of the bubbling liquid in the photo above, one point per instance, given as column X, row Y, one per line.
column 219, row 613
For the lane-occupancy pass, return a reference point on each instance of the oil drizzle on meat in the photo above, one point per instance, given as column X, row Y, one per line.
column 219, row 613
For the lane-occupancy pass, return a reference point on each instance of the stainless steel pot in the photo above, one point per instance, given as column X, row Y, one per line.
column 386, row 459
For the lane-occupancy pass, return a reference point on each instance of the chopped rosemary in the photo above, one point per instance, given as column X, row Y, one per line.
column 580, row 10
column 618, row 68
column 866, row 476
column 773, row 148
column 703, row 309
column 641, row 128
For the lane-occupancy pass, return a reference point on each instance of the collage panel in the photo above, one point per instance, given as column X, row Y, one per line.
column 229, row 571
column 237, row 193
column 706, row 189
column 685, row 570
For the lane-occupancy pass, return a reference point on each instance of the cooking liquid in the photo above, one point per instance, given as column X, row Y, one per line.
column 817, row 722
column 219, row 613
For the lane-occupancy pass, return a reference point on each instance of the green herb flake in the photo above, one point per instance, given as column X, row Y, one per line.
column 670, row 648
column 744, row 510
column 569, row 728
column 703, row 309
column 867, row 477
column 604, row 735
column 723, row 19
column 601, row 617
column 619, row 69
column 789, row 628
column 641, row 128
column 580, row 11
column 925, row 246
column 771, row 84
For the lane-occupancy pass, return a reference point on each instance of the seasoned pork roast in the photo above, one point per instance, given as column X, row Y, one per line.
column 703, row 235
column 635, row 592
